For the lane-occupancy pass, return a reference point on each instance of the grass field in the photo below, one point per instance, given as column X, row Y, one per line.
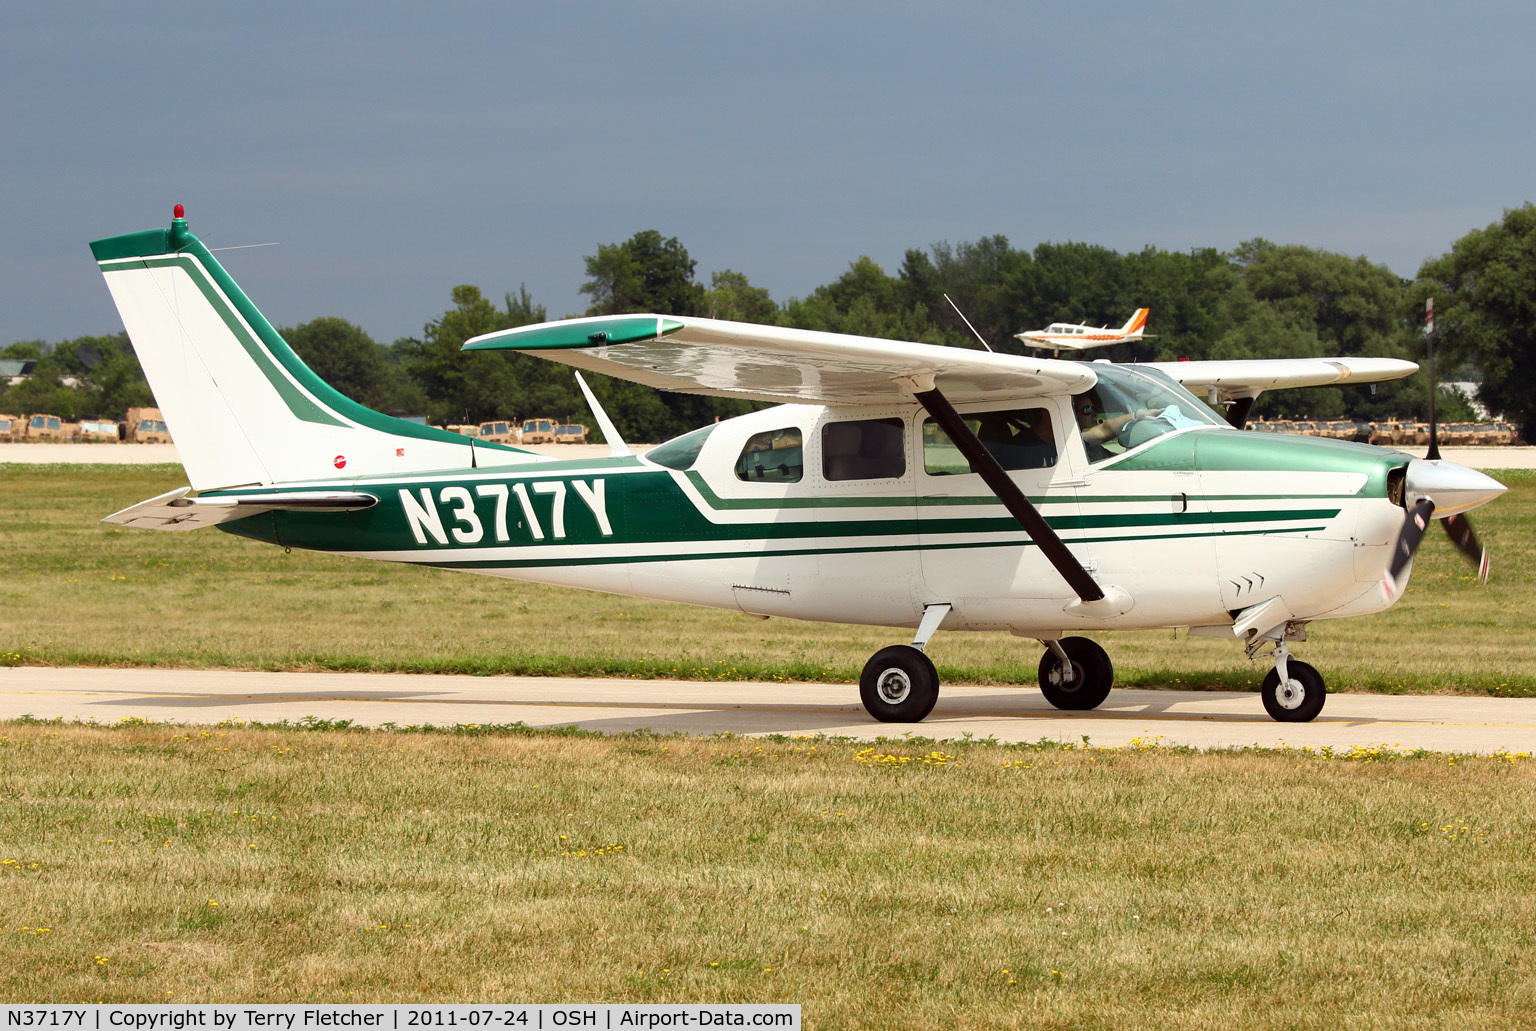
column 74, row 590
column 893, row 886
column 900, row 885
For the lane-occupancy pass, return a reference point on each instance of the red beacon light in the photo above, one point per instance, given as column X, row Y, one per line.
column 178, row 212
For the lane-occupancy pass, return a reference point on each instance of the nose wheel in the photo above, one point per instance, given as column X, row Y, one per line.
column 1295, row 697
column 1293, row 692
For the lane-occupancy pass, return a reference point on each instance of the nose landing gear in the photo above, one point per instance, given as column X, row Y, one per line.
column 1293, row 692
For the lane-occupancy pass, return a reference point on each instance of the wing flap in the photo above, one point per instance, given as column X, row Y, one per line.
column 780, row 364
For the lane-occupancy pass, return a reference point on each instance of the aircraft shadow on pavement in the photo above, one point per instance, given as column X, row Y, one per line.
column 727, row 716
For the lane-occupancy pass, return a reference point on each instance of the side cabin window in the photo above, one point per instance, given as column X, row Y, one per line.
column 866, row 449
column 775, row 456
column 1020, row 438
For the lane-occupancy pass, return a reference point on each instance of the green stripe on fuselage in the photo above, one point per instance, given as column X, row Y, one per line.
column 652, row 511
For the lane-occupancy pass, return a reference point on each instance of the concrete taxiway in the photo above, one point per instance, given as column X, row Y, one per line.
column 1198, row 719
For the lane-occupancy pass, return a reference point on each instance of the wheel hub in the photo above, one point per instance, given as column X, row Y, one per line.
column 893, row 686
column 1290, row 693
column 1067, row 677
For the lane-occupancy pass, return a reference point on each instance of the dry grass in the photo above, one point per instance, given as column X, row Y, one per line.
column 76, row 591
column 984, row 887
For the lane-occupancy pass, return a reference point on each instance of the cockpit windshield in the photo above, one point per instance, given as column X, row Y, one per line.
column 1132, row 405
column 680, row 452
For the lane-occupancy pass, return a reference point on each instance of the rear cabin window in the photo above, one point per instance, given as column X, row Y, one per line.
column 1020, row 438
column 868, row 449
column 777, row 456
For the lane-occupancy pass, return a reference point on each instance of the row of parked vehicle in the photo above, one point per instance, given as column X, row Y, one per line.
column 530, row 431
column 147, row 426
column 1395, row 431
column 142, row 426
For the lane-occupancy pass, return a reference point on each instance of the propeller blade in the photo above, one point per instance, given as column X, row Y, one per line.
column 1408, row 540
column 1464, row 539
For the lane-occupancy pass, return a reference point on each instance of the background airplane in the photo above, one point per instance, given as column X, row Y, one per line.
column 892, row 483
column 1060, row 336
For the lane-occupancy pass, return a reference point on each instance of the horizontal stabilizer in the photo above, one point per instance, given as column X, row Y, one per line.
column 173, row 510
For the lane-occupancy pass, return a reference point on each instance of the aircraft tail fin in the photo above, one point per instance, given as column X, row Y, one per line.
column 1137, row 324
column 242, row 408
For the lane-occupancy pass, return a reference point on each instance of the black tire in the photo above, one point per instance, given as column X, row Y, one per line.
column 899, row 685
column 1091, row 678
column 1302, row 700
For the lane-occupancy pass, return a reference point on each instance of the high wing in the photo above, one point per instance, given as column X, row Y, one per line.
column 1249, row 377
column 777, row 364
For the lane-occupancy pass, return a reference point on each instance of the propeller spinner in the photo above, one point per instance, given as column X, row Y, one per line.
column 1453, row 490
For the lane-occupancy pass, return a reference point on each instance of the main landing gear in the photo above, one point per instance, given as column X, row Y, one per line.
column 900, row 685
column 1075, row 673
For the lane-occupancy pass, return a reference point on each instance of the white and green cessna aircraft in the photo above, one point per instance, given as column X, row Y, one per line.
column 895, row 484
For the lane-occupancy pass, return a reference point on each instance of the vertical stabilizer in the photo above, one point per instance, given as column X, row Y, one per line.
column 241, row 406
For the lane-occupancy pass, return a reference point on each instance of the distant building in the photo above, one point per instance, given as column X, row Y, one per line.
column 14, row 370
column 1468, row 389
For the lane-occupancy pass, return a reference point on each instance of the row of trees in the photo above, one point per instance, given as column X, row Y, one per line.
column 1261, row 300
column 86, row 377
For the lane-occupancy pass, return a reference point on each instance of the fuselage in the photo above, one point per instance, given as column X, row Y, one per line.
column 1076, row 337
column 776, row 514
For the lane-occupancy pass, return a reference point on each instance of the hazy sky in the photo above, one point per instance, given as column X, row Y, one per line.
column 395, row 150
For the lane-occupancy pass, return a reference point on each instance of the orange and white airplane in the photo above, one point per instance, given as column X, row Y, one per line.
column 1070, row 336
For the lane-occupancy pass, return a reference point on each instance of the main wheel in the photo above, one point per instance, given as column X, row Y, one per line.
column 1300, row 698
column 899, row 685
column 1086, row 684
